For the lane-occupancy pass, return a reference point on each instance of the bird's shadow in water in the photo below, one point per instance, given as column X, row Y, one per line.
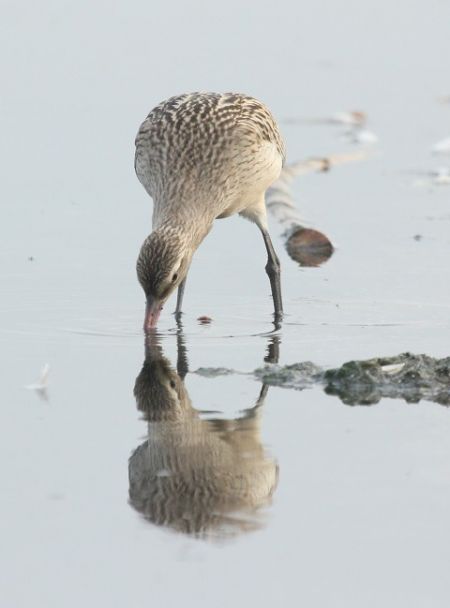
column 207, row 478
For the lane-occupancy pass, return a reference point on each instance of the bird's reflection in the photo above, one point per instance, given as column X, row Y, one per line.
column 203, row 477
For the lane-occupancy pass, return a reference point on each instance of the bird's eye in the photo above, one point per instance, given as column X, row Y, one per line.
column 172, row 384
column 174, row 277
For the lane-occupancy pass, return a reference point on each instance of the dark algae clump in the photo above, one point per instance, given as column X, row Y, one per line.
column 213, row 372
column 297, row 375
column 406, row 376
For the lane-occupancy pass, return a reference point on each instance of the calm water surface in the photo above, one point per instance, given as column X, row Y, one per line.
column 139, row 481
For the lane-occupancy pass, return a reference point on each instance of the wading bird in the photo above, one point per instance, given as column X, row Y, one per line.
column 202, row 156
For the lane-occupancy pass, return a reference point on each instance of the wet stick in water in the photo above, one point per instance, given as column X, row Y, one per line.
column 304, row 244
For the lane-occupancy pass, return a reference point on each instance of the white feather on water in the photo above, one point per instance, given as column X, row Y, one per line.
column 41, row 385
column 353, row 118
column 360, row 136
column 355, row 121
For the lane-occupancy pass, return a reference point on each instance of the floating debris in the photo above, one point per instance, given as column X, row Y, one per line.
column 204, row 320
column 406, row 376
column 393, row 368
column 213, row 372
column 41, row 385
column 352, row 118
column 409, row 377
column 355, row 120
column 309, row 247
column 298, row 376
column 360, row 136
column 442, row 147
column 440, row 175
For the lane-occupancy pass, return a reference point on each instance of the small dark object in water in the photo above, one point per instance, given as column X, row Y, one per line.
column 204, row 320
column 309, row 247
column 30, row 258
column 417, row 237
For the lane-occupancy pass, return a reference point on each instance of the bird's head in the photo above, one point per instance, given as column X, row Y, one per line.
column 159, row 390
column 162, row 265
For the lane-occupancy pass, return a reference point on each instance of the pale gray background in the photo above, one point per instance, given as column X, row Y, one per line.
column 360, row 517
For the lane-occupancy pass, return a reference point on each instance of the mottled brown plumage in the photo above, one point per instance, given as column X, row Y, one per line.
column 202, row 156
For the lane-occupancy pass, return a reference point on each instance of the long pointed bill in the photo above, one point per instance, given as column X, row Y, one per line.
column 152, row 312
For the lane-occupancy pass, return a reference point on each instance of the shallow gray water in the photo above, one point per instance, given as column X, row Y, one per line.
column 359, row 515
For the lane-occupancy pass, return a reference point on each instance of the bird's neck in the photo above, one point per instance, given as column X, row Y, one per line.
column 188, row 232
column 186, row 208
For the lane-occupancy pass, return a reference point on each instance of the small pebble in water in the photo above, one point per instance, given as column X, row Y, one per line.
column 309, row 247
column 417, row 237
column 204, row 320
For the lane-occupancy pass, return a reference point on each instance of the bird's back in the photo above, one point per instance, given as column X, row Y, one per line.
column 207, row 142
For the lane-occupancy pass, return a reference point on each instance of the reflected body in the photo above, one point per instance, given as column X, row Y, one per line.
column 206, row 478
column 201, row 157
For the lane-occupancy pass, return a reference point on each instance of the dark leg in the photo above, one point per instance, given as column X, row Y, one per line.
column 273, row 270
column 273, row 355
column 180, row 295
column 182, row 360
column 273, row 350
